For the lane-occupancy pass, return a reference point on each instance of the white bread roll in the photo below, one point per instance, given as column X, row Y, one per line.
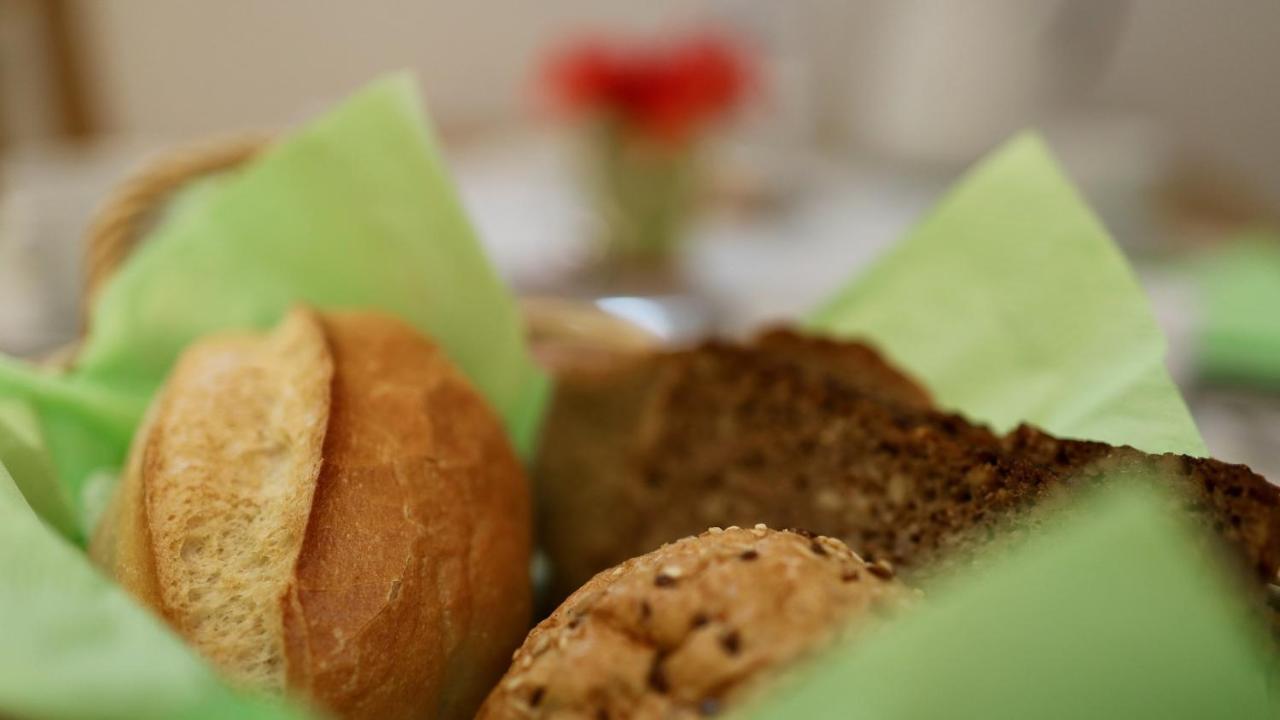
column 331, row 510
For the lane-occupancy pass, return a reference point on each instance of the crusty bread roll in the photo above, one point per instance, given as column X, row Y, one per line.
column 332, row 510
column 692, row 628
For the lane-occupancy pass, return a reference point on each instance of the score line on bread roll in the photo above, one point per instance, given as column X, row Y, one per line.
column 330, row 510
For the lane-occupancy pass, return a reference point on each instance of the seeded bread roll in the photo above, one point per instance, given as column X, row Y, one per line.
column 332, row 510
column 690, row 629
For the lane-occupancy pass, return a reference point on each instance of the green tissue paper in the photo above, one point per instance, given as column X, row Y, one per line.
column 1012, row 304
column 1116, row 611
column 1240, row 298
column 74, row 646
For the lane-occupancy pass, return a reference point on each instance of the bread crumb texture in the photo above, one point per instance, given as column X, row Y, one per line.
column 412, row 587
column 228, row 500
column 690, row 628
column 330, row 510
column 803, row 432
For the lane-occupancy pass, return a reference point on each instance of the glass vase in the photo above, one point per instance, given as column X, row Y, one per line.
column 644, row 190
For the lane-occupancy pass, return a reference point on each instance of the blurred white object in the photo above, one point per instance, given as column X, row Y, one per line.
column 952, row 78
column 521, row 193
column 47, row 195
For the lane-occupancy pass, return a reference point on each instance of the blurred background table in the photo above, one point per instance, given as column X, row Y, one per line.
column 1162, row 110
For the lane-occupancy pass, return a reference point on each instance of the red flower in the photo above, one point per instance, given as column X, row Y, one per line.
column 668, row 91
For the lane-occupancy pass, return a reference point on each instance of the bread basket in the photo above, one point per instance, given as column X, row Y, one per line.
column 559, row 329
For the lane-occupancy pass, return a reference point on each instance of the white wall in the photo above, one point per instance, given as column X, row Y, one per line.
column 1211, row 72
column 885, row 75
column 191, row 67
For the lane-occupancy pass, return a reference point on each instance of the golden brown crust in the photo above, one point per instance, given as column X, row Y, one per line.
column 409, row 586
column 412, row 582
column 691, row 628
column 121, row 542
column 229, row 470
column 855, row 364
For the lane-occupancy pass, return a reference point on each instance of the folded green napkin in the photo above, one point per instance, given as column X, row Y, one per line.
column 1011, row 302
column 1239, row 286
column 1114, row 611
column 73, row 645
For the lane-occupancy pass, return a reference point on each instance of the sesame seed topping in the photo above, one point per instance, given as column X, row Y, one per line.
column 734, row 527
column 850, row 576
column 672, row 570
column 816, row 548
column 761, row 526
column 881, row 569
column 716, row 530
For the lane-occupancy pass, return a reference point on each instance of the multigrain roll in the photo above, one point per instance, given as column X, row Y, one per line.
column 331, row 510
column 693, row 627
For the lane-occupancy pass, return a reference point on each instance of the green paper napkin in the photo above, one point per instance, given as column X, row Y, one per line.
column 74, row 646
column 22, row 448
column 1240, row 326
column 1115, row 613
column 1012, row 304
column 353, row 211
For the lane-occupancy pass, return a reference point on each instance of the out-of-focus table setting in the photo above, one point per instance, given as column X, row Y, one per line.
column 767, row 251
column 858, row 117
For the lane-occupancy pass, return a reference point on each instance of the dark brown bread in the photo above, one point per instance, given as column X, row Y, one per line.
column 735, row 435
column 605, row 417
column 689, row 629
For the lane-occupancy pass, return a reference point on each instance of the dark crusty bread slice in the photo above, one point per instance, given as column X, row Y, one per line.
column 816, row 438
column 693, row 627
column 591, row 445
